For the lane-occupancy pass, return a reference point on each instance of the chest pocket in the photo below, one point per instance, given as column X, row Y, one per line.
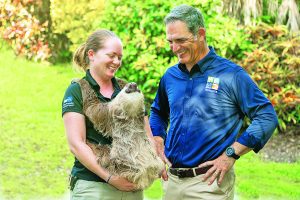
column 206, row 105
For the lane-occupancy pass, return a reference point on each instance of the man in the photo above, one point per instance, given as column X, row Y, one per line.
column 205, row 98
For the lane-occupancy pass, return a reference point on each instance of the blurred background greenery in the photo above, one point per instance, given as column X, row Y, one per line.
column 38, row 39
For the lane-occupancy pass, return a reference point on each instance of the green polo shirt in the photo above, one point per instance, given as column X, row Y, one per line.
column 72, row 102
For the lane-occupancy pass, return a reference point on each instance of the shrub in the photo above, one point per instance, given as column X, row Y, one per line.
column 72, row 22
column 23, row 31
column 275, row 66
column 147, row 55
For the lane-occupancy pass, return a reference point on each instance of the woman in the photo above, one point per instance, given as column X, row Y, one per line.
column 100, row 56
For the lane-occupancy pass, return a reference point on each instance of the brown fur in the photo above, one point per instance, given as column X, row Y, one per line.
column 131, row 155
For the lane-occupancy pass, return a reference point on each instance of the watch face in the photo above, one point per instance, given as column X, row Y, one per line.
column 229, row 151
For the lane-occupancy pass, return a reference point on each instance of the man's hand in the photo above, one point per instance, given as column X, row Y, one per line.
column 160, row 150
column 220, row 166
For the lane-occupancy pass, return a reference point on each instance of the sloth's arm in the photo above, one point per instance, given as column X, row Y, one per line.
column 98, row 114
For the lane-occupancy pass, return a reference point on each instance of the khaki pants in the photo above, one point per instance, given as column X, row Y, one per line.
column 91, row 190
column 194, row 189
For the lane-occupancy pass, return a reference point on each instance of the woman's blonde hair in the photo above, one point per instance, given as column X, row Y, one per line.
column 94, row 42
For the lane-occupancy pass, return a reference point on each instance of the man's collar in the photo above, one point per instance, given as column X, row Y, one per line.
column 206, row 60
column 202, row 64
column 194, row 69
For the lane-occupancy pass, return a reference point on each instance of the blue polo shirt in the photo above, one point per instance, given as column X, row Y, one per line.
column 206, row 109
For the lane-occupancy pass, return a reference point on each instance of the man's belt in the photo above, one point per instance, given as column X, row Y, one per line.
column 190, row 172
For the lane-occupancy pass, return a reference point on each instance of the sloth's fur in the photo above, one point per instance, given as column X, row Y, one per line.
column 131, row 154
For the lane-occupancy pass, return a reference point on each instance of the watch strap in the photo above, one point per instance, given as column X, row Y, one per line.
column 235, row 156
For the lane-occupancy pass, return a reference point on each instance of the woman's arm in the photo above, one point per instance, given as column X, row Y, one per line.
column 157, row 143
column 148, row 131
column 76, row 136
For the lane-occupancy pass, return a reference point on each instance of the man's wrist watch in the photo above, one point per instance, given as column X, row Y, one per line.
column 230, row 152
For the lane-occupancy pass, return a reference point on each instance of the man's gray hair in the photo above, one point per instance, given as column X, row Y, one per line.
column 191, row 16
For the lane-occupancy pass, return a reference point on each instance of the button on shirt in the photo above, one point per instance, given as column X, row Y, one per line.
column 206, row 108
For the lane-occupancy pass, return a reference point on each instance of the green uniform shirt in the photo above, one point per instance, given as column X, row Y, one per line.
column 72, row 102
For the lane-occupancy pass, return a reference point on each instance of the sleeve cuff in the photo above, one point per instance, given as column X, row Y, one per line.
column 159, row 133
column 250, row 141
column 77, row 111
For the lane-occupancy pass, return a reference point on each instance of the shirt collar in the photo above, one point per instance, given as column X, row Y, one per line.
column 194, row 69
column 207, row 60
column 95, row 85
column 91, row 80
column 202, row 64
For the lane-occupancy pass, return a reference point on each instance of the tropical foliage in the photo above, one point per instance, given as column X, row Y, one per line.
column 72, row 22
column 275, row 65
column 279, row 11
column 24, row 31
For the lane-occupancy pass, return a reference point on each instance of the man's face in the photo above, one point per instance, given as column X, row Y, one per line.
column 183, row 43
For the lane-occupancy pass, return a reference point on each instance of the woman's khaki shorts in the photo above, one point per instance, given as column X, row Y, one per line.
column 91, row 190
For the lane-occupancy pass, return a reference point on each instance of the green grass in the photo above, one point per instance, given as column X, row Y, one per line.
column 267, row 180
column 34, row 156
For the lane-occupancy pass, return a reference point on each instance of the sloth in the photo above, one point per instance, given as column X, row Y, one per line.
column 131, row 155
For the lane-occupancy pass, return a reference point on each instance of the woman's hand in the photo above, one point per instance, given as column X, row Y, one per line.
column 159, row 143
column 122, row 184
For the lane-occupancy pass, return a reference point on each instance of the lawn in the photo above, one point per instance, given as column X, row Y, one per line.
column 34, row 156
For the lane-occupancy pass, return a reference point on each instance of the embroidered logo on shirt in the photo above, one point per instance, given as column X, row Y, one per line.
column 212, row 84
column 68, row 102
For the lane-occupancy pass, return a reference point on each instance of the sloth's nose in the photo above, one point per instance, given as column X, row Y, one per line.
column 133, row 86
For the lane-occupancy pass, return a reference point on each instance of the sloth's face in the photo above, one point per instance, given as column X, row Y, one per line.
column 129, row 102
column 131, row 87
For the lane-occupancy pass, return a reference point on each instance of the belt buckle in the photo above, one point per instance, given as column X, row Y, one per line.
column 181, row 173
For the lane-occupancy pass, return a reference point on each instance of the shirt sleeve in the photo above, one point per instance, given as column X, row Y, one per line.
column 159, row 112
column 72, row 101
column 257, row 108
